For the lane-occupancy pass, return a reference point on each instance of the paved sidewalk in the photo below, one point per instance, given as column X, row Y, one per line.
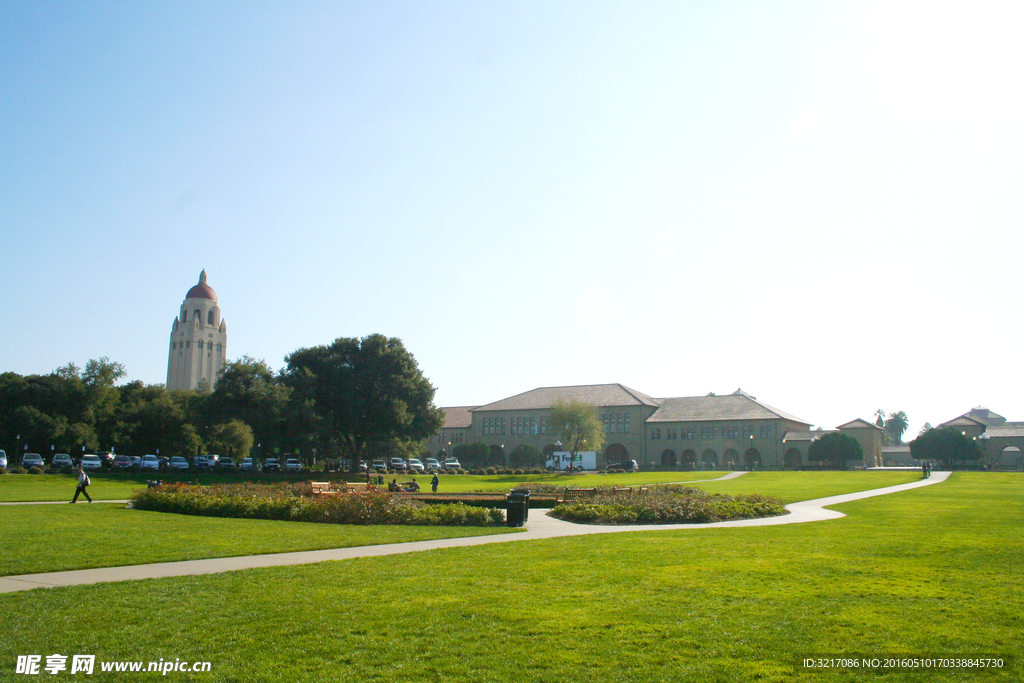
column 539, row 526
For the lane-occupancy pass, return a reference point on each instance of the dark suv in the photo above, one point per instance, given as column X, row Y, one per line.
column 625, row 465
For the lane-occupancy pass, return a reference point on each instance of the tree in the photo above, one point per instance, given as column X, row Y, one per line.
column 895, row 426
column 474, row 454
column 525, row 455
column 578, row 426
column 946, row 445
column 363, row 391
column 835, row 448
column 925, row 427
column 250, row 391
column 230, row 438
column 880, row 418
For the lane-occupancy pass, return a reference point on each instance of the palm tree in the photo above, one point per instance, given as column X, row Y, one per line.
column 896, row 425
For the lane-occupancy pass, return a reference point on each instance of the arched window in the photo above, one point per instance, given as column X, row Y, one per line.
column 209, row 317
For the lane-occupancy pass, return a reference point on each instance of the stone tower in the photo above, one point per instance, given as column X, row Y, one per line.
column 199, row 340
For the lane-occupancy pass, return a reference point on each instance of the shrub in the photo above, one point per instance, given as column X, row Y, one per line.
column 667, row 505
column 3, row 470
column 491, row 471
column 294, row 502
column 35, row 470
column 18, row 469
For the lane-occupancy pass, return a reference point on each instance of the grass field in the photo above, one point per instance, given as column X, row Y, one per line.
column 64, row 537
column 791, row 487
column 934, row 571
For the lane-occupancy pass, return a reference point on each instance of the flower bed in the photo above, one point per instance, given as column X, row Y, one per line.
column 294, row 502
column 665, row 506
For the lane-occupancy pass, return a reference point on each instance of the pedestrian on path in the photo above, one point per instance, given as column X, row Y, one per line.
column 83, row 481
column 434, row 482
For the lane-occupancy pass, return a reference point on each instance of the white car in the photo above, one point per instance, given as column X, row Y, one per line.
column 432, row 464
column 452, row 464
column 292, row 465
column 414, row 464
column 3, row 459
column 179, row 463
column 150, row 462
column 91, row 462
column 246, row 465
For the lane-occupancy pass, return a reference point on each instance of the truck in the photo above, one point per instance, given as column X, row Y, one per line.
column 560, row 460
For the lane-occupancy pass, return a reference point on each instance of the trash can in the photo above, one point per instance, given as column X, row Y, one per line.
column 518, row 510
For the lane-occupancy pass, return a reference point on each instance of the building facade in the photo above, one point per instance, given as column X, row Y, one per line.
column 199, row 340
column 699, row 432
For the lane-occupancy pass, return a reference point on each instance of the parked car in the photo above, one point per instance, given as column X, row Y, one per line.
column 91, row 462
column 627, row 465
column 271, row 465
column 202, row 463
column 136, row 461
column 165, row 462
column 32, row 460
column 379, row 465
column 414, row 465
column 452, row 464
column 178, row 463
column 123, row 462
column 246, row 465
column 3, row 459
column 431, row 464
column 292, row 465
column 62, row 461
column 397, row 464
column 226, row 464
column 150, row 463
column 106, row 457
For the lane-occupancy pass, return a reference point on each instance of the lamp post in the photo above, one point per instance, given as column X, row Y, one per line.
column 751, row 444
column 983, row 438
column 558, row 448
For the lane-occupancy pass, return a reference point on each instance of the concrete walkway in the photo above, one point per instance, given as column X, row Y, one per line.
column 539, row 526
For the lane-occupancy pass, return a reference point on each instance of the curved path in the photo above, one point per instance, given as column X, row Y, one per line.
column 538, row 526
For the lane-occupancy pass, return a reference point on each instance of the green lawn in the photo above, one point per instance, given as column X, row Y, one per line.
column 34, row 487
column 62, row 537
column 935, row 571
column 791, row 487
column 461, row 483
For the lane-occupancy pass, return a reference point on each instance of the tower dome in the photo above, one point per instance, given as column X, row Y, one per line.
column 202, row 290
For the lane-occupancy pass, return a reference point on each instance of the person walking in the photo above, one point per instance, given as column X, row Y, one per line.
column 83, row 481
column 434, row 482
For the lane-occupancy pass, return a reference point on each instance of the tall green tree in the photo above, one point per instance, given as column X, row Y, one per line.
column 363, row 391
column 946, row 445
column 249, row 390
column 836, row 449
column 232, row 439
column 525, row 455
column 578, row 426
column 896, row 426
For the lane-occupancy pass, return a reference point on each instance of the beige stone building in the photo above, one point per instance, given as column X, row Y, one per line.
column 869, row 437
column 699, row 432
column 199, row 340
column 1001, row 441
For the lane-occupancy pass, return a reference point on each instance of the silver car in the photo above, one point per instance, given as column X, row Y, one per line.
column 32, row 460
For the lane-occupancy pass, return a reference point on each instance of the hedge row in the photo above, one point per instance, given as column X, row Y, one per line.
column 663, row 507
column 291, row 502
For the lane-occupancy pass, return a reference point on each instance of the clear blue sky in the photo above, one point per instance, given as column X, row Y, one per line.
column 817, row 202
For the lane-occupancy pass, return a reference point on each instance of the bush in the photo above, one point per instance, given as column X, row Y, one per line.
column 18, row 469
column 294, row 502
column 35, row 470
column 668, row 505
column 491, row 471
column 3, row 470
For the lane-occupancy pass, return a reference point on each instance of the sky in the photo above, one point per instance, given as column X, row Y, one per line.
column 817, row 202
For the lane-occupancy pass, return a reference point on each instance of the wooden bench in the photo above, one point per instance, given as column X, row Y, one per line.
column 323, row 488
column 570, row 495
column 621, row 489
